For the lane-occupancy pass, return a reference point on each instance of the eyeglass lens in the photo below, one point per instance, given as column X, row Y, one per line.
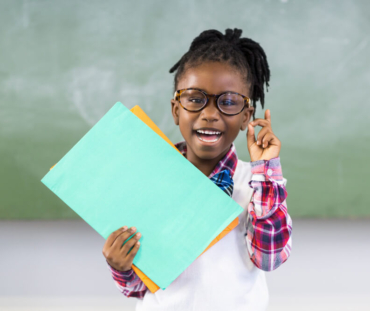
column 228, row 103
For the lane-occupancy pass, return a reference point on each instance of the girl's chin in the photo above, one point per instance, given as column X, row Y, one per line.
column 207, row 150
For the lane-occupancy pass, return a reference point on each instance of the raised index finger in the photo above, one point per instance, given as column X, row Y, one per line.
column 268, row 115
column 112, row 237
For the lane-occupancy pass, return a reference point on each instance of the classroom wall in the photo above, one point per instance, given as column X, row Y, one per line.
column 63, row 64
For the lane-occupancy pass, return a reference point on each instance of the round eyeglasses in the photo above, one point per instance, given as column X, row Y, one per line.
column 229, row 103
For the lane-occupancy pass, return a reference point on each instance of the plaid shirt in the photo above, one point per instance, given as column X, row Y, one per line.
column 269, row 226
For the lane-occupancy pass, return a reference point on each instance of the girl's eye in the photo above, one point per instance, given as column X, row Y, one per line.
column 227, row 103
column 196, row 100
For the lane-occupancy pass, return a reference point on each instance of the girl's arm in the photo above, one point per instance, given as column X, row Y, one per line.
column 269, row 226
column 128, row 283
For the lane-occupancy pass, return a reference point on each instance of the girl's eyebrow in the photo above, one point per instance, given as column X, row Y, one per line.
column 198, row 88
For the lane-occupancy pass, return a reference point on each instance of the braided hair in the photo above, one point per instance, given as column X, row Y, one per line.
column 242, row 53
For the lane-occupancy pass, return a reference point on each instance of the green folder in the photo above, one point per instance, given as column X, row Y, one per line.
column 123, row 173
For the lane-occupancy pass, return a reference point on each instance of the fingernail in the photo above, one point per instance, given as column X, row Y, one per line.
column 124, row 228
column 138, row 235
column 133, row 229
column 258, row 142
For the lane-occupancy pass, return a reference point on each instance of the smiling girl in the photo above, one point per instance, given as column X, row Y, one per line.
column 216, row 87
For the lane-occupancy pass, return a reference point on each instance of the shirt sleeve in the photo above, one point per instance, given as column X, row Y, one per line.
column 128, row 283
column 269, row 226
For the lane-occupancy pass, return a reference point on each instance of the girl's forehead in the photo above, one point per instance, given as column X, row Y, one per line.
column 214, row 78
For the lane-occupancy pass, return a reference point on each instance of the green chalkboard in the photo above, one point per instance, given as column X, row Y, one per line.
column 63, row 64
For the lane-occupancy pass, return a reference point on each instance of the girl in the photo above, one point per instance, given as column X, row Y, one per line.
column 216, row 87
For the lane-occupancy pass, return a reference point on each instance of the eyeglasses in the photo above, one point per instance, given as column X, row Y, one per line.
column 229, row 103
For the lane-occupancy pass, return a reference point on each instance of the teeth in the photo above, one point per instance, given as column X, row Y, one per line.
column 208, row 132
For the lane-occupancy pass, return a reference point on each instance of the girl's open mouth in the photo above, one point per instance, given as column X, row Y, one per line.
column 208, row 136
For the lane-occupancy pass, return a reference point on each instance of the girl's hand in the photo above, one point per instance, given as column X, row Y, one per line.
column 267, row 145
column 117, row 255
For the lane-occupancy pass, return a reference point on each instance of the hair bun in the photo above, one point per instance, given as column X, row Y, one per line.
column 210, row 36
column 206, row 37
column 233, row 36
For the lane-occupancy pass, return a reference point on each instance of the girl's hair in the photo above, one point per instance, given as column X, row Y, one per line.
column 244, row 54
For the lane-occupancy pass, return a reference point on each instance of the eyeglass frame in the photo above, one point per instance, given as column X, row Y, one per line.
column 178, row 93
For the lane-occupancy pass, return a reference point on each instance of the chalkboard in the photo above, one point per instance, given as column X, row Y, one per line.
column 65, row 63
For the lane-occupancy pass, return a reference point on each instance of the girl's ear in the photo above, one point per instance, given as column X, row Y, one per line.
column 175, row 111
column 247, row 113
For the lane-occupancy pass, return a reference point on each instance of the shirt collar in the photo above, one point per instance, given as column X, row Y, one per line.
column 228, row 162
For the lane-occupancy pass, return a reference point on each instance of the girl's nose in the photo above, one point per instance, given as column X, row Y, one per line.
column 210, row 112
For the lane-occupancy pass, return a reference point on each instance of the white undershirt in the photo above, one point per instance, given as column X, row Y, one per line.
column 223, row 278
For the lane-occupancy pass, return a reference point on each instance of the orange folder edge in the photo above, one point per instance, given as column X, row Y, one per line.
column 136, row 110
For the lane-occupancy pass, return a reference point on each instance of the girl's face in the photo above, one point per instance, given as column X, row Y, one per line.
column 213, row 78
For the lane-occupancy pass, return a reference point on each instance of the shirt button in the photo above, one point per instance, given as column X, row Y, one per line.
column 269, row 172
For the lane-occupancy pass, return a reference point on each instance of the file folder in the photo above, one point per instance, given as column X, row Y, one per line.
column 122, row 172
